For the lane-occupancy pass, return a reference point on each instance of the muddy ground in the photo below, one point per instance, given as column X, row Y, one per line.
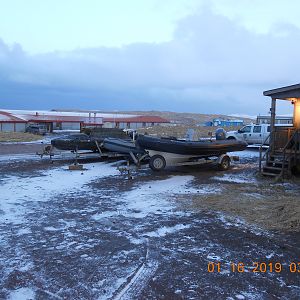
column 94, row 234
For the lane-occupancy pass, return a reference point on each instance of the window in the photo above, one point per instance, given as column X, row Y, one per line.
column 58, row 125
column 245, row 129
column 257, row 129
column 269, row 128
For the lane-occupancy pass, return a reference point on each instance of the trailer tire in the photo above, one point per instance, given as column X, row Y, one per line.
column 224, row 164
column 157, row 163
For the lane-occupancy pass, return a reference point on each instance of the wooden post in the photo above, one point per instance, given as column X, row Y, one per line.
column 272, row 123
column 296, row 118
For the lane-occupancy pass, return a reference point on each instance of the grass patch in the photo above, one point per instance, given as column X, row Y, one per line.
column 18, row 137
column 179, row 131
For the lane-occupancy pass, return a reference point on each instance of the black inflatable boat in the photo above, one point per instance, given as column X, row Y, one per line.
column 87, row 140
column 76, row 142
column 204, row 148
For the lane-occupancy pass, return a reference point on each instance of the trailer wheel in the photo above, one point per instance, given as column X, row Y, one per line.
column 224, row 164
column 157, row 163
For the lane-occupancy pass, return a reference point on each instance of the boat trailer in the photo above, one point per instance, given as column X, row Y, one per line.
column 75, row 155
column 158, row 162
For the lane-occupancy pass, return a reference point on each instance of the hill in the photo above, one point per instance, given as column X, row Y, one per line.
column 186, row 118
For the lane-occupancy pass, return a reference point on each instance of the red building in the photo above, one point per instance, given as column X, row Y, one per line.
column 18, row 120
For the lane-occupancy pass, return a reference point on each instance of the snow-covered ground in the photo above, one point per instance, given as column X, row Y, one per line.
column 248, row 153
column 93, row 234
column 16, row 191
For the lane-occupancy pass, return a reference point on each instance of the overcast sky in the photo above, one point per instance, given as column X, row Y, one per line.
column 205, row 56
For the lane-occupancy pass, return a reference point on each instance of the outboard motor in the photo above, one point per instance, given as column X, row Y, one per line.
column 189, row 136
column 220, row 134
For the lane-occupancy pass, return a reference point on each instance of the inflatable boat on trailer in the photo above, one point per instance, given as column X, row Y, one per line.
column 89, row 140
column 172, row 152
column 121, row 146
column 75, row 142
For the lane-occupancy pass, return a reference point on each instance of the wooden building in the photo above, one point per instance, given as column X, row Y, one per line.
column 282, row 159
column 279, row 120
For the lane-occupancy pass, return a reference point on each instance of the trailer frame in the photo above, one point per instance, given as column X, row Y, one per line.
column 49, row 150
column 223, row 162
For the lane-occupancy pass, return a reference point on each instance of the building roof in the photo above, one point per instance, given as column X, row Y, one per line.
column 8, row 117
column 57, row 118
column 12, row 116
column 277, row 117
column 228, row 120
column 67, row 113
column 82, row 117
column 284, row 93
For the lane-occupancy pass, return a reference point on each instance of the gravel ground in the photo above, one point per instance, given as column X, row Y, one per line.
column 94, row 234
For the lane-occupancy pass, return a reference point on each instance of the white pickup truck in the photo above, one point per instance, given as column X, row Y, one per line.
column 252, row 134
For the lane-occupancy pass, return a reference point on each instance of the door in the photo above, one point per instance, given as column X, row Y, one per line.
column 256, row 136
column 244, row 133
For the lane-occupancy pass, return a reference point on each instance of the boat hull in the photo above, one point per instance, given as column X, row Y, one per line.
column 76, row 142
column 171, row 158
column 190, row 148
column 73, row 146
column 87, row 141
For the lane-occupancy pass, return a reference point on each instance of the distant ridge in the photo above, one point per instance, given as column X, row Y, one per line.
column 189, row 118
column 175, row 117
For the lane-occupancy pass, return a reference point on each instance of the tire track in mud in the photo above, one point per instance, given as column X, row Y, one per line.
column 140, row 277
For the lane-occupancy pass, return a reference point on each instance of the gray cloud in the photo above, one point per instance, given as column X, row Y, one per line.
column 211, row 65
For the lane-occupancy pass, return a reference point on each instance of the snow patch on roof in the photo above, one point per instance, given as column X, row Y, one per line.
column 26, row 113
column 86, row 117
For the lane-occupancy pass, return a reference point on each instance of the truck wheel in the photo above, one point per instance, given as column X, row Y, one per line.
column 224, row 164
column 231, row 138
column 157, row 163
